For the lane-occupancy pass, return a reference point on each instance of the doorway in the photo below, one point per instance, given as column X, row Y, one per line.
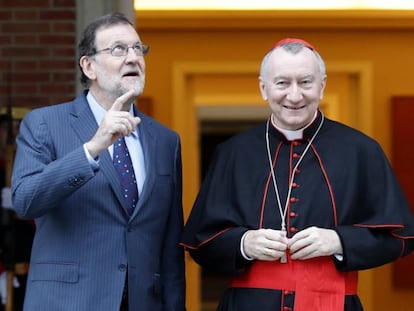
column 212, row 133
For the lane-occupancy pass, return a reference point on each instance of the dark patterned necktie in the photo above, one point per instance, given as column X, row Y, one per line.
column 123, row 165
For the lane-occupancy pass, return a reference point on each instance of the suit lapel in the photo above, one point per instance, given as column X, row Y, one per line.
column 149, row 141
column 85, row 126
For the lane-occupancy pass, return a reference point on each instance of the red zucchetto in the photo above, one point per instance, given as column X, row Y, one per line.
column 293, row 40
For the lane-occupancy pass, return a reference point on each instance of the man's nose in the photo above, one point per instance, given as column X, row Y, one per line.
column 294, row 93
column 131, row 55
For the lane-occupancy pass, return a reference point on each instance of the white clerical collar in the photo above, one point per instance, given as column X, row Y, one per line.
column 292, row 134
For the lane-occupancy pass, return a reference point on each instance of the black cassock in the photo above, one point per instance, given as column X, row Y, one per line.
column 343, row 182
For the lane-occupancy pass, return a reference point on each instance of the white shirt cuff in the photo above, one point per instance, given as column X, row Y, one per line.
column 242, row 248
column 94, row 163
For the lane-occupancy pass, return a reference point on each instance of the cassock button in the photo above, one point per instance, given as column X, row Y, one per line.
column 295, row 156
column 293, row 200
column 287, row 309
column 295, row 185
column 297, row 171
column 293, row 214
column 293, row 229
column 296, row 143
column 286, row 292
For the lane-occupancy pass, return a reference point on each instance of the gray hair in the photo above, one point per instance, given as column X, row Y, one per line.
column 293, row 48
column 86, row 46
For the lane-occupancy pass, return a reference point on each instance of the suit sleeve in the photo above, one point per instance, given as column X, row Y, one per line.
column 40, row 179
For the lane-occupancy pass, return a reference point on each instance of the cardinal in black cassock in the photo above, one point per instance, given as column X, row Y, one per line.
column 319, row 200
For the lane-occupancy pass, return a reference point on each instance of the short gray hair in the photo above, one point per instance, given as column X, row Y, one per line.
column 293, row 48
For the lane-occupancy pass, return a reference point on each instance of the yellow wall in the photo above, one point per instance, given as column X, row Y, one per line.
column 187, row 50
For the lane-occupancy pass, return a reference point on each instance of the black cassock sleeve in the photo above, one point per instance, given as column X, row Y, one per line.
column 365, row 248
column 222, row 254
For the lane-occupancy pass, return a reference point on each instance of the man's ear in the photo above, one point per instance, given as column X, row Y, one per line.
column 322, row 88
column 87, row 67
column 262, row 88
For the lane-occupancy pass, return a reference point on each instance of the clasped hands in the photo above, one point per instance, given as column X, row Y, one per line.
column 269, row 244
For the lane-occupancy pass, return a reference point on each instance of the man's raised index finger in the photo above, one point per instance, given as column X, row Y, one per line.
column 121, row 100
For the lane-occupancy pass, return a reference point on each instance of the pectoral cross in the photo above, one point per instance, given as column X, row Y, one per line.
column 283, row 259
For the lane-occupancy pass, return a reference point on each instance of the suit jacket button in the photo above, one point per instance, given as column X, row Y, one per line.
column 122, row 267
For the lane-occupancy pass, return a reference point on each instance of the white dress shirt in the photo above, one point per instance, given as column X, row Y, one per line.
column 132, row 141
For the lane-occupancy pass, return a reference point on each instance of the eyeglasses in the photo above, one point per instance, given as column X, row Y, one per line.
column 120, row 50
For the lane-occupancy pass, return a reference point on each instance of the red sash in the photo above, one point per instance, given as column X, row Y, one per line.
column 317, row 284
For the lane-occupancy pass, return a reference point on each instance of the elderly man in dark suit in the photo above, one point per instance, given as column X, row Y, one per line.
column 106, row 239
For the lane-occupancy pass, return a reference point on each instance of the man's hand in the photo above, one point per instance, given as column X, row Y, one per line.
column 314, row 242
column 116, row 123
column 265, row 244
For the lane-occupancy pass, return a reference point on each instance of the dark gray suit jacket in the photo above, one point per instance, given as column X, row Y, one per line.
column 85, row 242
